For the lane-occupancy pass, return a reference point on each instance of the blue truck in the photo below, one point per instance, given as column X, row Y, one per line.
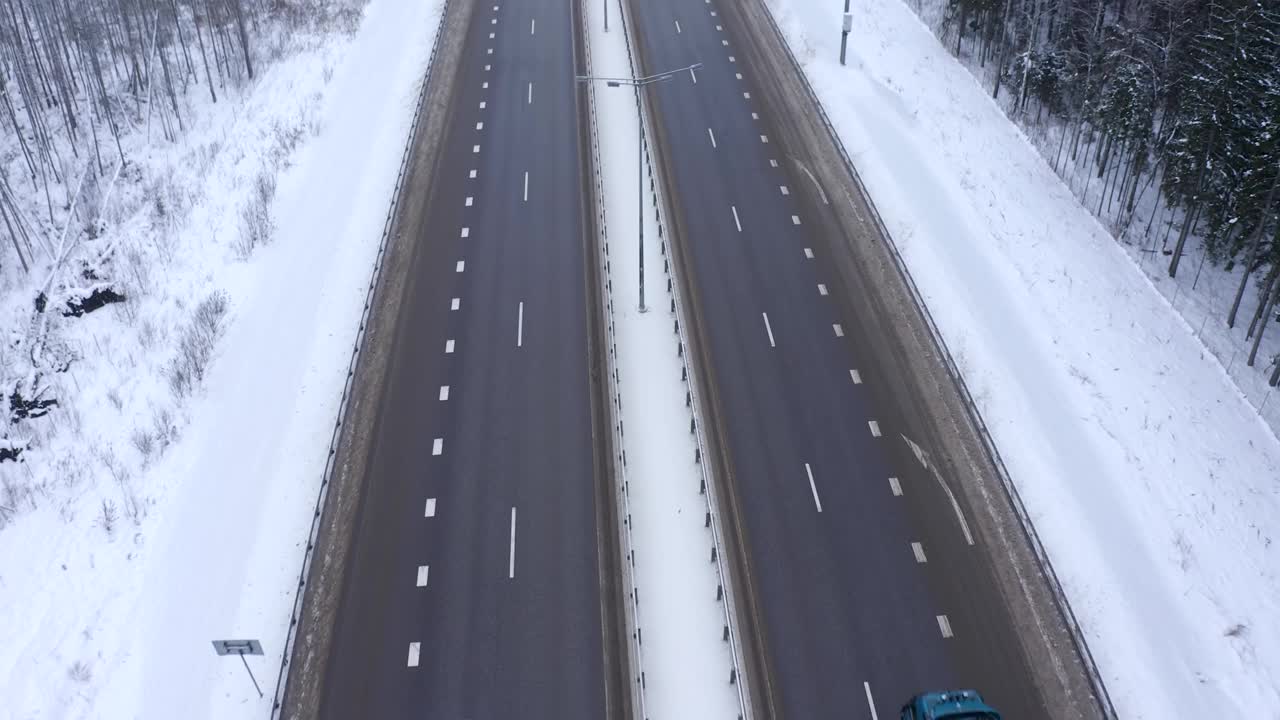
column 949, row 705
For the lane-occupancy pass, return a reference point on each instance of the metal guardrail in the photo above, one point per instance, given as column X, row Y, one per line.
column 323, row 493
column 708, row 488
column 1042, row 558
column 620, row 454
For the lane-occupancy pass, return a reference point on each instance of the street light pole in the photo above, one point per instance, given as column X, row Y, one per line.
column 639, row 85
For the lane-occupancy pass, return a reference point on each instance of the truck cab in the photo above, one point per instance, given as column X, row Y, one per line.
column 949, row 705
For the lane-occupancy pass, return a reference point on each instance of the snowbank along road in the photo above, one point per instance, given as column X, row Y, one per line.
column 473, row 584
column 870, row 576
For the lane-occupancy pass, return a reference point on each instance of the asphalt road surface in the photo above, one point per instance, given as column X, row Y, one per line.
column 473, row 588
column 869, row 587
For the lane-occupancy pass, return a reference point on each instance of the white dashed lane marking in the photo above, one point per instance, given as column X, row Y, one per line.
column 918, row 550
column 712, row 136
column 813, row 488
column 511, row 561
column 875, row 428
column 870, row 702
column 430, row 510
column 423, row 571
column 895, row 487
column 455, row 303
column 822, row 289
column 945, row 626
column 437, row 446
column 444, row 392
column 448, row 346
column 768, row 329
column 736, row 222
column 839, row 331
column 855, row 376
column 414, row 650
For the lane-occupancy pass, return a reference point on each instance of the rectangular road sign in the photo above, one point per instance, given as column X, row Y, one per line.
column 237, row 647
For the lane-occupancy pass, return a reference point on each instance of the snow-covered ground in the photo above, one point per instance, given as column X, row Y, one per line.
column 150, row 522
column 1151, row 479
column 686, row 662
column 1202, row 292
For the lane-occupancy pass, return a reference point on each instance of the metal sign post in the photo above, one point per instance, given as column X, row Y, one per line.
column 241, row 648
column 844, row 34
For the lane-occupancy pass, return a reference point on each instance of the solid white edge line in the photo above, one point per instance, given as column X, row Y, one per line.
column 737, row 222
column 944, row 625
column 437, row 446
column 918, row 550
column 768, row 329
column 423, row 572
column 430, row 509
column 415, row 649
column 712, row 135
column 520, row 326
column 511, row 562
column 870, row 702
column 813, row 488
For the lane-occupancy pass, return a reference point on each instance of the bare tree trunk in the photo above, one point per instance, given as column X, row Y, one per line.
column 213, row 95
column 1262, row 302
column 238, row 6
column 1267, row 318
column 1253, row 250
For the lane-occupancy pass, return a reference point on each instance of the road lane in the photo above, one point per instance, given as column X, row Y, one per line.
column 844, row 601
column 476, row 556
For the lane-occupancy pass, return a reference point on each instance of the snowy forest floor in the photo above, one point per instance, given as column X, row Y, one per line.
column 153, row 510
column 1149, row 475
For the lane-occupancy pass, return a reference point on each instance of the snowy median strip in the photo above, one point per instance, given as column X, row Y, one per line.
column 689, row 670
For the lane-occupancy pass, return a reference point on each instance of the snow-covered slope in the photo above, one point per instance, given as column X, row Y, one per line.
column 110, row 613
column 1152, row 482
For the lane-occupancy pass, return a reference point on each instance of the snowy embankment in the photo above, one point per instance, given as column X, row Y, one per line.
column 1151, row 480
column 155, row 521
column 685, row 661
